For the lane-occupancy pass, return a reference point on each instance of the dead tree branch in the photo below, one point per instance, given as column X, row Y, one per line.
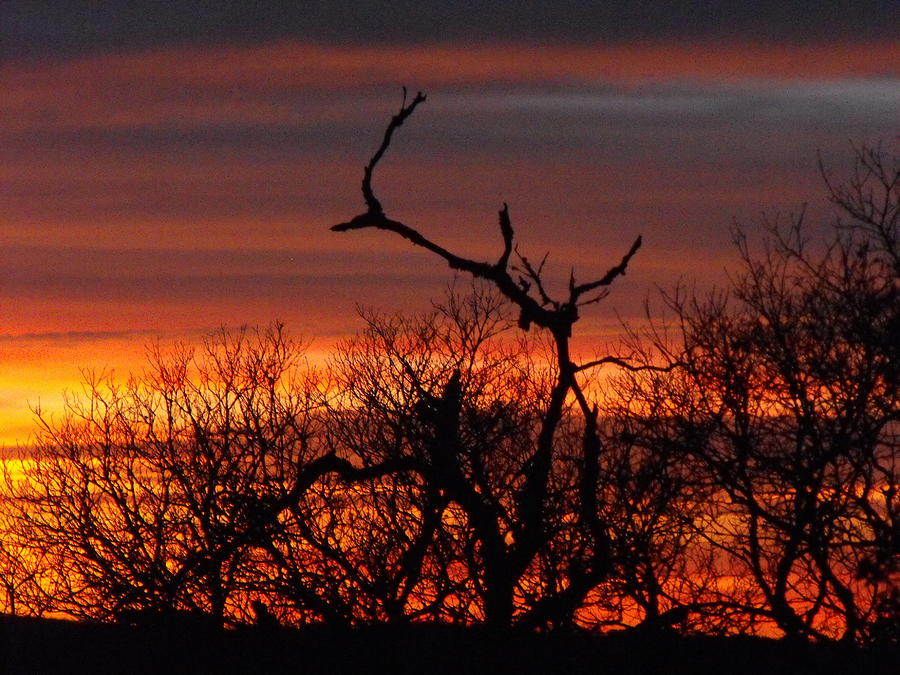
column 544, row 311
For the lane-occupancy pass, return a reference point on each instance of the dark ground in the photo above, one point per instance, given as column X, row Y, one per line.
column 31, row 646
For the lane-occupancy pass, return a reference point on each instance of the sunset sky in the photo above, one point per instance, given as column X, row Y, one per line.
column 169, row 168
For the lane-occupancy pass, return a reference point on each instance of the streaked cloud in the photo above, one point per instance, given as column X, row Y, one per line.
column 169, row 191
column 71, row 336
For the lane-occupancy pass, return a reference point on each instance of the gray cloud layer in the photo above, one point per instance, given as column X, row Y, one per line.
column 143, row 192
column 29, row 27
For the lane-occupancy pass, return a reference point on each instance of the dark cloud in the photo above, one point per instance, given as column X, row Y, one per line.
column 72, row 336
column 561, row 158
column 35, row 27
column 153, row 274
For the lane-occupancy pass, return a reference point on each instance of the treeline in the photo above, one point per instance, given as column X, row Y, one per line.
column 738, row 475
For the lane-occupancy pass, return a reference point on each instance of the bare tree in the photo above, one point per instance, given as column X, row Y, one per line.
column 664, row 576
column 409, row 549
column 27, row 572
column 506, row 559
column 789, row 399
column 165, row 493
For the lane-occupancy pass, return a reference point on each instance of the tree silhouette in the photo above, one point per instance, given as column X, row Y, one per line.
column 401, row 384
column 738, row 475
column 788, row 400
column 507, row 558
column 165, row 494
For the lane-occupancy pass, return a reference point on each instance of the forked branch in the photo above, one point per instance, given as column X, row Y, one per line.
column 542, row 310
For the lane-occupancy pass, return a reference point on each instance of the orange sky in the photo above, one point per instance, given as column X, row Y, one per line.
column 165, row 192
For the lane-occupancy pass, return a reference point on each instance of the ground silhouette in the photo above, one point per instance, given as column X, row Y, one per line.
column 33, row 646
